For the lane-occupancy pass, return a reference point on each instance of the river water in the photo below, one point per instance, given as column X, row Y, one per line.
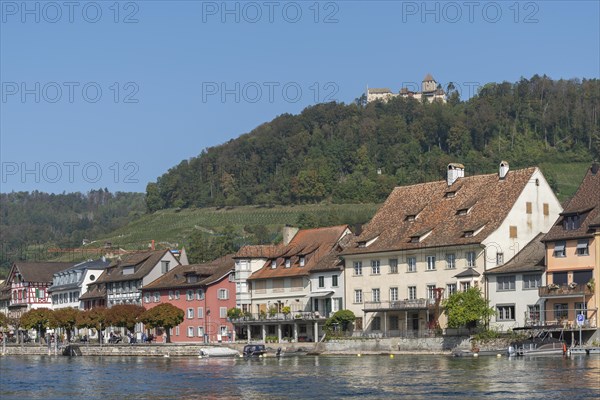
column 308, row 377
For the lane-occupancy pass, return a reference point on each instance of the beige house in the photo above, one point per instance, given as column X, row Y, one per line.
column 429, row 240
column 573, row 259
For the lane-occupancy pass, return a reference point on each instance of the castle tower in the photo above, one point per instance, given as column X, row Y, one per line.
column 429, row 84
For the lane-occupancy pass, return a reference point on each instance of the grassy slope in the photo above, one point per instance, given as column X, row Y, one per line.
column 568, row 176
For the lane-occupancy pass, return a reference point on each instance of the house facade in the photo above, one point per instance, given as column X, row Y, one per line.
column 70, row 284
column 512, row 288
column 124, row 279
column 205, row 292
column 29, row 283
column 430, row 240
column 297, row 288
column 430, row 90
column 573, row 259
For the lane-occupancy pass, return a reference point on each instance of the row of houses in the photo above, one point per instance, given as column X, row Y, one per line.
column 505, row 233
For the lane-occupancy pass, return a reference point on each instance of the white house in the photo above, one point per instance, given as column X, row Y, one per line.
column 512, row 288
column 432, row 239
column 68, row 285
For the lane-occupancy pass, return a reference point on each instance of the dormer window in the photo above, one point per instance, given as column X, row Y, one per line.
column 462, row 211
column 273, row 264
column 420, row 236
column 288, row 263
column 450, row 194
column 362, row 244
column 302, row 261
column 128, row 271
column 191, row 279
column 572, row 222
column 468, row 234
column 415, row 239
column 411, row 218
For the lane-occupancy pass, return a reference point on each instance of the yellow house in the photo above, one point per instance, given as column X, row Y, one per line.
column 573, row 258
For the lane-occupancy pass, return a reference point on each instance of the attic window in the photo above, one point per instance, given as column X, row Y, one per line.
column 273, row 264
column 411, row 218
column 572, row 222
column 473, row 232
column 128, row 271
column 415, row 239
column 463, row 211
column 468, row 234
column 450, row 194
column 419, row 237
column 302, row 261
column 191, row 279
column 288, row 263
column 362, row 244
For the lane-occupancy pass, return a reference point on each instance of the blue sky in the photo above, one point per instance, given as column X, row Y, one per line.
column 113, row 94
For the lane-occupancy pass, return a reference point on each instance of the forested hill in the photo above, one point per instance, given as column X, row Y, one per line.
column 63, row 220
column 357, row 153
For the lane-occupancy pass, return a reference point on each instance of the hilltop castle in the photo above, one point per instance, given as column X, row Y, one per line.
column 430, row 89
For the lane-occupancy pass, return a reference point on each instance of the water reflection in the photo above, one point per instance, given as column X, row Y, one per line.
column 414, row 377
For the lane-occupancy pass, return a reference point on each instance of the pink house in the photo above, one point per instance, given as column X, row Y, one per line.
column 204, row 292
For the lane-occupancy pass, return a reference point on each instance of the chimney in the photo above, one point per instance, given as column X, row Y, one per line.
column 288, row 234
column 455, row 171
column 152, row 245
column 503, row 169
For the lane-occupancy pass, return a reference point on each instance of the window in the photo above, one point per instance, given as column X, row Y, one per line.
column 321, row 281
column 200, row 331
column 450, row 289
column 572, row 222
column 528, row 207
column 394, row 325
column 170, row 295
column 334, row 281
column 505, row 313
column 146, row 297
column 302, row 261
column 190, row 331
column 462, row 211
column 358, row 296
column 375, row 267
column 358, row 324
column 532, row 281
column 177, row 330
column 393, row 265
column 533, row 312
column 546, row 209
column 288, row 263
column 357, row 268
column 430, row 263
column 222, row 312
column 465, row 286
column 273, row 264
column 177, row 295
column 191, row 279
column 583, row 247
column 164, row 266
column 431, row 292
column 470, row 259
column 412, row 264
column 376, row 324
column 394, row 294
column 316, row 306
column 412, row 292
column 561, row 311
column 190, row 313
column 200, row 312
column 451, row 261
column 512, row 232
column 223, row 294
column 581, row 308
column 499, row 258
column 156, row 297
column 189, row 295
column 582, row 277
column 559, row 278
column 411, row 218
column 559, row 249
column 199, row 294
column 505, row 283
column 376, row 295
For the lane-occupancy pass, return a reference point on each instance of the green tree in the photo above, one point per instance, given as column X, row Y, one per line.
column 341, row 318
column 467, row 309
column 124, row 315
column 164, row 315
column 65, row 318
column 39, row 319
column 3, row 320
column 94, row 318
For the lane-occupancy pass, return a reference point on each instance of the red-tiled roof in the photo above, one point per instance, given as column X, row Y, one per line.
column 206, row 274
column 530, row 258
column 258, row 251
column 39, row 272
column 320, row 248
column 435, row 204
column 586, row 203
column 141, row 262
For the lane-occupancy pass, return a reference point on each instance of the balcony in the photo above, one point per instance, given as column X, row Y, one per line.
column 297, row 316
column 570, row 290
column 399, row 305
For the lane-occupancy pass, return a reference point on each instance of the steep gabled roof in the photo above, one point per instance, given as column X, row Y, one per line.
column 38, row 272
column 489, row 197
column 586, row 204
column 141, row 262
column 530, row 259
column 95, row 291
column 319, row 247
column 258, row 251
column 207, row 274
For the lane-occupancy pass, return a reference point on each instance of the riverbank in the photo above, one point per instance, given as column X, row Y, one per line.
column 442, row 345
